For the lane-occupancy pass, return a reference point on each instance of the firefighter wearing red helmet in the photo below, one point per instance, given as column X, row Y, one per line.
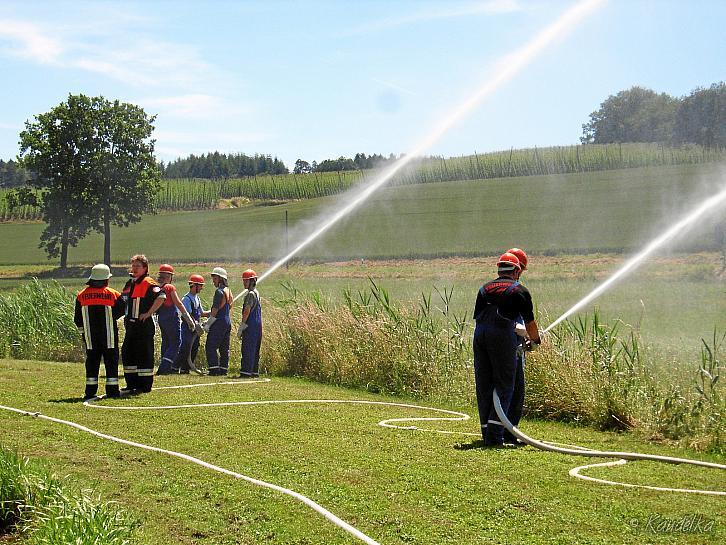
column 498, row 305
column 190, row 338
column 169, row 323
column 250, row 328
column 516, row 407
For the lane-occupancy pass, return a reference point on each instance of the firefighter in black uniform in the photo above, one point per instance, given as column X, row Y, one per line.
column 97, row 309
column 499, row 304
column 143, row 298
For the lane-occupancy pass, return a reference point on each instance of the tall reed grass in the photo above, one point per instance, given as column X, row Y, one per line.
column 588, row 372
column 45, row 510
column 36, row 322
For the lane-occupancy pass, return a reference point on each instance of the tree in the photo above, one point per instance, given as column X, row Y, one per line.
column 93, row 161
column 701, row 117
column 56, row 148
column 126, row 176
column 635, row 115
column 301, row 167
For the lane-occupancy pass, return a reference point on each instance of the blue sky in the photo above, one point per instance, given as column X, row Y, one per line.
column 315, row 80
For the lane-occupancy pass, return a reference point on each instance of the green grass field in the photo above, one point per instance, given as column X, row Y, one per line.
column 574, row 213
column 397, row 486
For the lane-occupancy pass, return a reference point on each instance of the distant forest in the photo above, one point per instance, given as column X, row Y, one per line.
column 221, row 165
column 635, row 115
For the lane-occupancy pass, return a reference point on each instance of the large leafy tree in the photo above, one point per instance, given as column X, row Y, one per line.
column 701, row 117
column 93, row 162
column 635, row 115
column 56, row 148
column 125, row 176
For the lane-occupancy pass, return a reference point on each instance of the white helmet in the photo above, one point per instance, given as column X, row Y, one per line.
column 100, row 272
column 219, row 271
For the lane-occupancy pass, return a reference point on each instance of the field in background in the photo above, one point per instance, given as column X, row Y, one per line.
column 200, row 194
column 575, row 213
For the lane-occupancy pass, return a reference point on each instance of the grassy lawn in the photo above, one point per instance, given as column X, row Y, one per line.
column 397, row 486
column 576, row 213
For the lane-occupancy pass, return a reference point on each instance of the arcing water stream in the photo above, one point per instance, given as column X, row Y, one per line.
column 507, row 68
column 676, row 230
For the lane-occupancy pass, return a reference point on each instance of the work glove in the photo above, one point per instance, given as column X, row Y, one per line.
column 520, row 330
column 198, row 329
column 208, row 324
column 188, row 320
column 241, row 330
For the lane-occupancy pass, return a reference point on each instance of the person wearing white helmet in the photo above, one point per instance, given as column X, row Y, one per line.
column 218, row 326
column 97, row 309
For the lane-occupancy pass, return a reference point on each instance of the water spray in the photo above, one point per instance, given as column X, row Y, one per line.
column 678, row 229
column 508, row 67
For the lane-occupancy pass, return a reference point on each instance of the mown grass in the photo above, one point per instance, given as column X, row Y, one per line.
column 397, row 486
column 575, row 213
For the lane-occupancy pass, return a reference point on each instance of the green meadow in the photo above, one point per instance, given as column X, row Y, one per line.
column 606, row 211
column 395, row 485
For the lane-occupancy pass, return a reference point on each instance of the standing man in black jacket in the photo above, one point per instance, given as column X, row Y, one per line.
column 97, row 309
column 499, row 304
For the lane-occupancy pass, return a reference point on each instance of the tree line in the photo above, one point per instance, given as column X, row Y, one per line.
column 359, row 162
column 217, row 165
column 642, row 115
column 12, row 174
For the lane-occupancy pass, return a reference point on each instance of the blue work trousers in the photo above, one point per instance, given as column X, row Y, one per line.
column 188, row 350
column 217, row 347
column 495, row 367
column 170, row 342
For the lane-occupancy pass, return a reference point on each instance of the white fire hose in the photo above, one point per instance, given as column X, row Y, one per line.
column 400, row 423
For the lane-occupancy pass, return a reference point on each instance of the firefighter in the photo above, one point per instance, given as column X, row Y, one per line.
column 97, row 309
column 250, row 328
column 514, row 414
column 169, row 323
column 498, row 305
column 218, row 325
column 190, row 339
column 143, row 297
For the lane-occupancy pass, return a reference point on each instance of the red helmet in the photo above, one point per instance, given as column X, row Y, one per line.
column 249, row 274
column 521, row 255
column 508, row 261
column 166, row 268
column 196, row 279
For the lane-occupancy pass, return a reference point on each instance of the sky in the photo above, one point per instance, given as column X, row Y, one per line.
column 320, row 79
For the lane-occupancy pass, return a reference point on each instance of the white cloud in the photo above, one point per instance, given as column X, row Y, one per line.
column 118, row 52
column 28, row 41
column 194, row 105
column 449, row 11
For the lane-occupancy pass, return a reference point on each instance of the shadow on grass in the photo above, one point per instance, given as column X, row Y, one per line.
column 74, row 272
column 78, row 399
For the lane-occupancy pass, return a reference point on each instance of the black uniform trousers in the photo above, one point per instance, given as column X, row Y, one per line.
column 93, row 364
column 137, row 353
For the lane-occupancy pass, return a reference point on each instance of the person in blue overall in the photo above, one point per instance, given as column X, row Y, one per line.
column 219, row 325
column 498, row 305
column 250, row 328
column 190, row 338
column 169, row 324
column 516, row 407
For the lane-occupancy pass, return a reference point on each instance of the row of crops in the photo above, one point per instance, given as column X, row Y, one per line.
column 194, row 194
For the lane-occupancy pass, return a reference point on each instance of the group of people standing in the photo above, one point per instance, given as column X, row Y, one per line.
column 98, row 307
